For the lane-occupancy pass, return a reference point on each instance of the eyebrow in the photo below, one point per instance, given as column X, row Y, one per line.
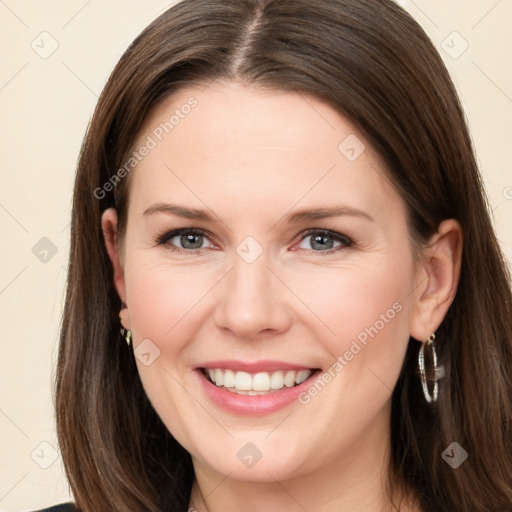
column 180, row 211
column 296, row 217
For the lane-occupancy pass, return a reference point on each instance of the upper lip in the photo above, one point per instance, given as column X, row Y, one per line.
column 253, row 366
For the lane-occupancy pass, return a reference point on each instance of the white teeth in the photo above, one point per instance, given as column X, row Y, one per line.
column 277, row 380
column 289, row 378
column 243, row 381
column 261, row 382
column 229, row 379
column 219, row 377
column 256, row 384
column 302, row 376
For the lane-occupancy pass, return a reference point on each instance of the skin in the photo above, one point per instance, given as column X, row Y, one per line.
column 251, row 157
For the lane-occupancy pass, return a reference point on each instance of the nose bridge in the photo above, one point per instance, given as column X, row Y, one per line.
column 251, row 301
column 250, row 279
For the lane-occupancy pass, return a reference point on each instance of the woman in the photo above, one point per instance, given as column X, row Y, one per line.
column 277, row 207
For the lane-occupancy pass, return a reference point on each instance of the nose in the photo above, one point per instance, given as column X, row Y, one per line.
column 252, row 301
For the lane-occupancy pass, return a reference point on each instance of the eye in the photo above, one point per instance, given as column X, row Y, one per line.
column 184, row 240
column 321, row 240
column 192, row 240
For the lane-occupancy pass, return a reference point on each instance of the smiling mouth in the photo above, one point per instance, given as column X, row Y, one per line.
column 261, row 383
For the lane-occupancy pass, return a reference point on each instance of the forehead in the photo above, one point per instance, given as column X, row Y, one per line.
column 245, row 147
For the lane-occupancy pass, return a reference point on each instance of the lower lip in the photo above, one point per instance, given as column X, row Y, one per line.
column 253, row 405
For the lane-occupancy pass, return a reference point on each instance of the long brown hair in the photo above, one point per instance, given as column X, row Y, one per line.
column 374, row 64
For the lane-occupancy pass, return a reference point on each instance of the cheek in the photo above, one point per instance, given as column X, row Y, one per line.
column 368, row 309
column 168, row 301
column 165, row 305
column 349, row 302
column 163, row 299
column 331, row 309
column 365, row 320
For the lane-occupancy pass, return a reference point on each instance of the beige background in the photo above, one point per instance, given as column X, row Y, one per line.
column 46, row 104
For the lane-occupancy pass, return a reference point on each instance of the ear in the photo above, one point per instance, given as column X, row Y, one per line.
column 437, row 278
column 109, row 228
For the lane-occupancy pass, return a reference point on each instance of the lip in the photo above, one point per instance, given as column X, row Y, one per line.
column 252, row 366
column 253, row 405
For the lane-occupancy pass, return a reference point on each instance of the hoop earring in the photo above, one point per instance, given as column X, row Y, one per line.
column 437, row 371
column 127, row 335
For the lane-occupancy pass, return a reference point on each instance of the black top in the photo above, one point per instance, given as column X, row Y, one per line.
column 64, row 507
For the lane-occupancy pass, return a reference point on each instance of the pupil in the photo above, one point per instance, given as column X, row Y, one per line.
column 185, row 239
column 323, row 241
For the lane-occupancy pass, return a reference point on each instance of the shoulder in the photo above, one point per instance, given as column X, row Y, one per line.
column 65, row 507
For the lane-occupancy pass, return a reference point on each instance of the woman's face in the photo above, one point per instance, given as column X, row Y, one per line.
column 294, row 262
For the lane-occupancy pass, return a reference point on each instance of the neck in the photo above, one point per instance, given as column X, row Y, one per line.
column 354, row 479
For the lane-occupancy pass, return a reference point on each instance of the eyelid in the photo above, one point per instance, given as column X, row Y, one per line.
column 167, row 235
column 345, row 240
column 163, row 238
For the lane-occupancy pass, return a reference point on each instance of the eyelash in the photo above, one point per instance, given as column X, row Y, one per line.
column 338, row 237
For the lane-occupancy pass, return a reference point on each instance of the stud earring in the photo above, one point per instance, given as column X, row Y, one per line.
column 127, row 335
